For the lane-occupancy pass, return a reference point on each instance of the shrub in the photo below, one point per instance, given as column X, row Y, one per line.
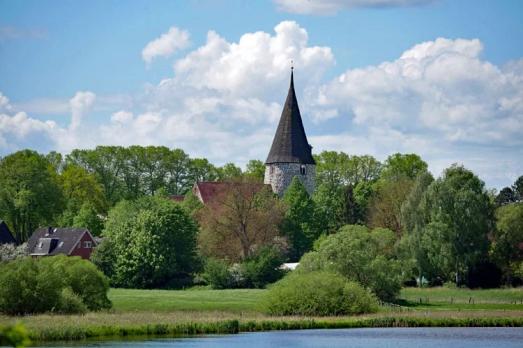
column 360, row 255
column 71, row 303
column 263, row 268
column 255, row 272
column 37, row 285
column 14, row 336
column 84, row 279
column 216, row 274
column 318, row 293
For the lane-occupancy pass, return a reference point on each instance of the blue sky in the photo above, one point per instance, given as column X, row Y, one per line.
column 440, row 78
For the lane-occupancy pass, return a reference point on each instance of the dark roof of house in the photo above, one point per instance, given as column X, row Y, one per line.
column 6, row 237
column 209, row 190
column 290, row 143
column 54, row 240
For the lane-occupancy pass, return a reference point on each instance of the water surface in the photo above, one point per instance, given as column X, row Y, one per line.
column 334, row 338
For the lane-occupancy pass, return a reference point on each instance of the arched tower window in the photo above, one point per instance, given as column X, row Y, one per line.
column 302, row 169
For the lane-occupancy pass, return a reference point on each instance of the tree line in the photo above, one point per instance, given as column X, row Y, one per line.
column 427, row 229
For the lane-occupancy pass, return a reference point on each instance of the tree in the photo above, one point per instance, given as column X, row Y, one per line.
column 239, row 220
column 460, row 217
column 255, row 170
column 330, row 205
column 229, row 172
column 403, row 165
column 30, row 195
column 200, row 169
column 507, row 239
column 385, row 204
column 108, row 164
column 518, row 188
column 153, row 240
column 338, row 168
column 505, row 196
column 300, row 225
column 80, row 187
column 414, row 221
column 178, row 172
column 88, row 217
column 360, row 255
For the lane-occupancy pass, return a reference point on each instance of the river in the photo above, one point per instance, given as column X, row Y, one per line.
column 334, row 338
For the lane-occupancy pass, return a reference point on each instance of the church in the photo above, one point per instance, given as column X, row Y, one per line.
column 291, row 153
column 290, row 156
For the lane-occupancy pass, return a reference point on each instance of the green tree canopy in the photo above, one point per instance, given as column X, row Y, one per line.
column 301, row 224
column 508, row 238
column 153, row 241
column 360, row 255
column 229, row 171
column 460, row 216
column 255, row 170
column 403, row 165
column 30, row 195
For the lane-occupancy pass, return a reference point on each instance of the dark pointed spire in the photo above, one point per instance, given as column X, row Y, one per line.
column 290, row 143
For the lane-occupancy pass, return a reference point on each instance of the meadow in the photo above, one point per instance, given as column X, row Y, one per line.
column 202, row 310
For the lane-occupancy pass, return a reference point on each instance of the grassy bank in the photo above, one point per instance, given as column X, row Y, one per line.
column 203, row 311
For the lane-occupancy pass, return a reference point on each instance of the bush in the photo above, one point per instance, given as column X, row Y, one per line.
column 37, row 285
column 216, row 273
column 263, row 268
column 318, row 293
column 255, row 272
column 71, row 303
column 360, row 255
column 84, row 279
column 14, row 336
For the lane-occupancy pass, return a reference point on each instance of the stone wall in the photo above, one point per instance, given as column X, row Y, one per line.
column 280, row 175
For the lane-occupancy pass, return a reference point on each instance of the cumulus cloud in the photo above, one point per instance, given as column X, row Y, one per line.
column 167, row 44
column 439, row 99
column 80, row 104
column 441, row 87
column 255, row 65
column 323, row 7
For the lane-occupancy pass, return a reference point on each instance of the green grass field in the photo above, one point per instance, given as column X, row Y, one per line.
column 199, row 310
column 238, row 300
column 248, row 300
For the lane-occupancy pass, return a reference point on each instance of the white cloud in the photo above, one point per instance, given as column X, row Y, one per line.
column 439, row 99
column 258, row 64
column 323, row 7
column 80, row 104
column 167, row 44
column 440, row 87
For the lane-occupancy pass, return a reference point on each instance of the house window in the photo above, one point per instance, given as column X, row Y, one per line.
column 271, row 170
column 87, row 244
column 302, row 169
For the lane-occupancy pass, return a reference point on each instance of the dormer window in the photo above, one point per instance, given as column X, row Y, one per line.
column 87, row 245
column 303, row 169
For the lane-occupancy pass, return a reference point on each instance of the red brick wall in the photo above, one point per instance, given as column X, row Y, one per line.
column 84, row 253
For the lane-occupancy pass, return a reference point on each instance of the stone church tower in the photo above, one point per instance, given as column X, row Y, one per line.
column 291, row 154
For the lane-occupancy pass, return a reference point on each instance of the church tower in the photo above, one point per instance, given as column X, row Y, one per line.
column 290, row 154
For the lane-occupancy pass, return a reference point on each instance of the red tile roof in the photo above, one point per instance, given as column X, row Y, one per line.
column 206, row 191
